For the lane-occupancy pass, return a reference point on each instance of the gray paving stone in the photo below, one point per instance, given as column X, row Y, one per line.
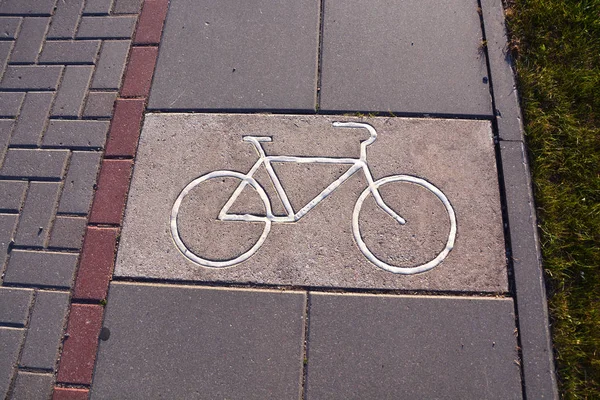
column 404, row 57
column 65, row 19
column 98, row 7
column 32, row 386
column 70, row 52
column 31, row 77
column 7, row 229
column 71, row 95
column 319, row 249
column 14, row 304
column 67, row 233
column 9, row 27
column 32, row 119
column 41, row 268
column 6, row 127
column 5, row 49
column 10, row 103
column 79, row 184
column 506, row 97
column 29, row 43
column 70, row 133
column 217, row 343
column 254, row 62
column 114, row 27
column 37, row 214
column 100, row 104
column 34, row 163
column 411, row 347
column 538, row 360
column 45, row 330
column 111, row 65
column 12, row 194
column 127, row 6
column 10, row 344
column 41, row 7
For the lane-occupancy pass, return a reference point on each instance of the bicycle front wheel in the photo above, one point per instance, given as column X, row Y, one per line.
column 206, row 239
column 404, row 194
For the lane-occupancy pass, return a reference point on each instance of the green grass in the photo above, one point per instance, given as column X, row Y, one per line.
column 557, row 49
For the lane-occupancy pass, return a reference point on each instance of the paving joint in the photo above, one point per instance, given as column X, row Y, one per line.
column 316, row 289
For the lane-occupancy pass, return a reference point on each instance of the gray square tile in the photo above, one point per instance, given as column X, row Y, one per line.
column 237, row 54
column 206, row 343
column 411, row 347
column 415, row 56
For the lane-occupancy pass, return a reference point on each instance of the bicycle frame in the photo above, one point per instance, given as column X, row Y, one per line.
column 356, row 164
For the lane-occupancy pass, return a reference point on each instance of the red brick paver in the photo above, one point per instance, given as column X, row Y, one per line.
column 111, row 195
column 97, row 260
column 125, row 128
column 151, row 20
column 81, row 342
column 140, row 69
column 70, row 394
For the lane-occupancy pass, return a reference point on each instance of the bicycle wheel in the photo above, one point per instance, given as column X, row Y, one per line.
column 213, row 178
column 439, row 197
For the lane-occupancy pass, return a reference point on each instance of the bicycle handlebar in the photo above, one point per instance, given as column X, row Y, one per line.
column 366, row 126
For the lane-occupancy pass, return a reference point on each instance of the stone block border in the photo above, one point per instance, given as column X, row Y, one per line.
column 76, row 365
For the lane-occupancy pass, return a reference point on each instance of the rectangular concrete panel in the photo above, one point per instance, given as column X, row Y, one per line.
column 440, row 171
column 416, row 56
column 237, row 54
column 200, row 343
column 411, row 347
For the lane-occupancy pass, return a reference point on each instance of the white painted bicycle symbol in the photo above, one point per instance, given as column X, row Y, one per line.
column 356, row 164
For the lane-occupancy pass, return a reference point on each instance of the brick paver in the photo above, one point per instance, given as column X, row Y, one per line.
column 45, row 330
column 61, row 66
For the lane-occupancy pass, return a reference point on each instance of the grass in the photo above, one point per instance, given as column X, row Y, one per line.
column 557, row 50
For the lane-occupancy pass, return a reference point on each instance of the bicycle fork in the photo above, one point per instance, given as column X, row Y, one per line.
column 377, row 196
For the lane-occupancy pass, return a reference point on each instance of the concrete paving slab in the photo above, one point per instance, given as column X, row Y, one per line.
column 417, row 56
column 320, row 249
column 410, row 347
column 201, row 342
column 238, row 55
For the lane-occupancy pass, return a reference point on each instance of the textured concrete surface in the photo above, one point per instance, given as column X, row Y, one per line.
column 456, row 156
column 239, row 55
column 202, row 342
column 411, row 347
column 418, row 56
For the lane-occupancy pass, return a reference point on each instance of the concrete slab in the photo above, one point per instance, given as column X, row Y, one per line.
column 238, row 55
column 201, row 342
column 410, row 347
column 416, row 56
column 320, row 249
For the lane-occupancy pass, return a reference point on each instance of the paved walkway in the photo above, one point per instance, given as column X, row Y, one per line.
column 121, row 277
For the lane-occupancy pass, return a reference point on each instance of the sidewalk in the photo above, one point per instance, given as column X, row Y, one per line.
column 121, row 277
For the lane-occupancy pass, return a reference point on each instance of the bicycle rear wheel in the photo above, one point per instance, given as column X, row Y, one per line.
column 206, row 256
column 429, row 189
